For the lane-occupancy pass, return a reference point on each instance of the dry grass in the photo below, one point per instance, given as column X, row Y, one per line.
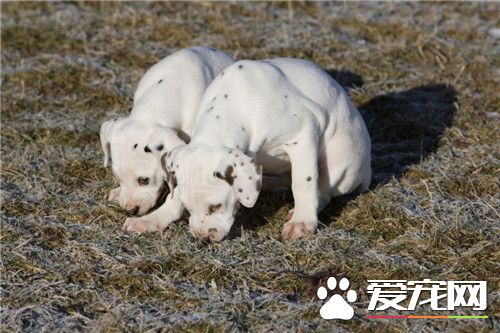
column 424, row 76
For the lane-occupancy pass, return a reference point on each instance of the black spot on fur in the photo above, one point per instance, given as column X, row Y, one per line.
column 243, row 128
column 237, row 147
column 242, row 163
column 171, row 178
column 228, row 175
column 286, row 96
column 240, row 66
column 240, row 190
column 309, row 178
column 213, row 99
column 225, row 95
column 250, row 178
column 252, row 160
column 217, row 117
column 160, row 81
column 295, row 115
column 108, row 149
column 135, row 146
column 295, row 142
column 213, row 208
column 159, row 147
column 146, row 149
column 222, row 74
column 163, row 163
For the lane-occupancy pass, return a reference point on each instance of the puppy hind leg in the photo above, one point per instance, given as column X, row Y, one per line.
column 344, row 168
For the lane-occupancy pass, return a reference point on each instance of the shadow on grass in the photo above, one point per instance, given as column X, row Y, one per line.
column 345, row 78
column 253, row 218
column 405, row 127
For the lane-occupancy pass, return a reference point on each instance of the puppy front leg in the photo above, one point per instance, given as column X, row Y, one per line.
column 158, row 220
column 303, row 153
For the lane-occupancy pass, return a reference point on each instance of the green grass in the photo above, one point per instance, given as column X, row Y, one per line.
column 424, row 77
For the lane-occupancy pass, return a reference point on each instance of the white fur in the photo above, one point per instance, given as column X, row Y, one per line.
column 286, row 115
column 165, row 103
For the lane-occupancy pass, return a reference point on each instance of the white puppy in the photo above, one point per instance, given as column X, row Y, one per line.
column 162, row 117
column 284, row 115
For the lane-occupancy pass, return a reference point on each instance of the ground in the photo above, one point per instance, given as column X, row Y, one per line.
column 425, row 77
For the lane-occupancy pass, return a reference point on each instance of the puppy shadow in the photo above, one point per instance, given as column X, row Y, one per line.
column 405, row 128
column 345, row 78
column 254, row 218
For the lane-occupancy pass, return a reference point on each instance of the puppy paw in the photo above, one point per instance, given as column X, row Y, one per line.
column 140, row 225
column 296, row 230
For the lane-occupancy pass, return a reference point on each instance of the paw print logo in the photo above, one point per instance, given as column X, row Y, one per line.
column 336, row 307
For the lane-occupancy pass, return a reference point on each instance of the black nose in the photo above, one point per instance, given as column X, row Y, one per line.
column 134, row 210
column 211, row 234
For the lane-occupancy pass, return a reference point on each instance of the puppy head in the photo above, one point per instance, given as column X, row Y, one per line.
column 134, row 150
column 210, row 181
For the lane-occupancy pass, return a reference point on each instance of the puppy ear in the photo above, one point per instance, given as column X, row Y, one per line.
column 169, row 172
column 244, row 175
column 107, row 129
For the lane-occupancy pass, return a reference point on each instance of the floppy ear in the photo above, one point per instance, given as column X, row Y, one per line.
column 107, row 129
column 169, row 173
column 243, row 174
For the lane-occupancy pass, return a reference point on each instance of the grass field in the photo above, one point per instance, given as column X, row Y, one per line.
column 425, row 77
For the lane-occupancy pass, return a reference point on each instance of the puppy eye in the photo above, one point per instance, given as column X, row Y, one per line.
column 213, row 208
column 143, row 181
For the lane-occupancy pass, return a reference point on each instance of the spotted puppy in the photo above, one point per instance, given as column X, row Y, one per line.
column 162, row 118
column 285, row 115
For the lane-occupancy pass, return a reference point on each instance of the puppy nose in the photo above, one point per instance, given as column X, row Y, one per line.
column 206, row 236
column 202, row 236
column 134, row 210
column 212, row 232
